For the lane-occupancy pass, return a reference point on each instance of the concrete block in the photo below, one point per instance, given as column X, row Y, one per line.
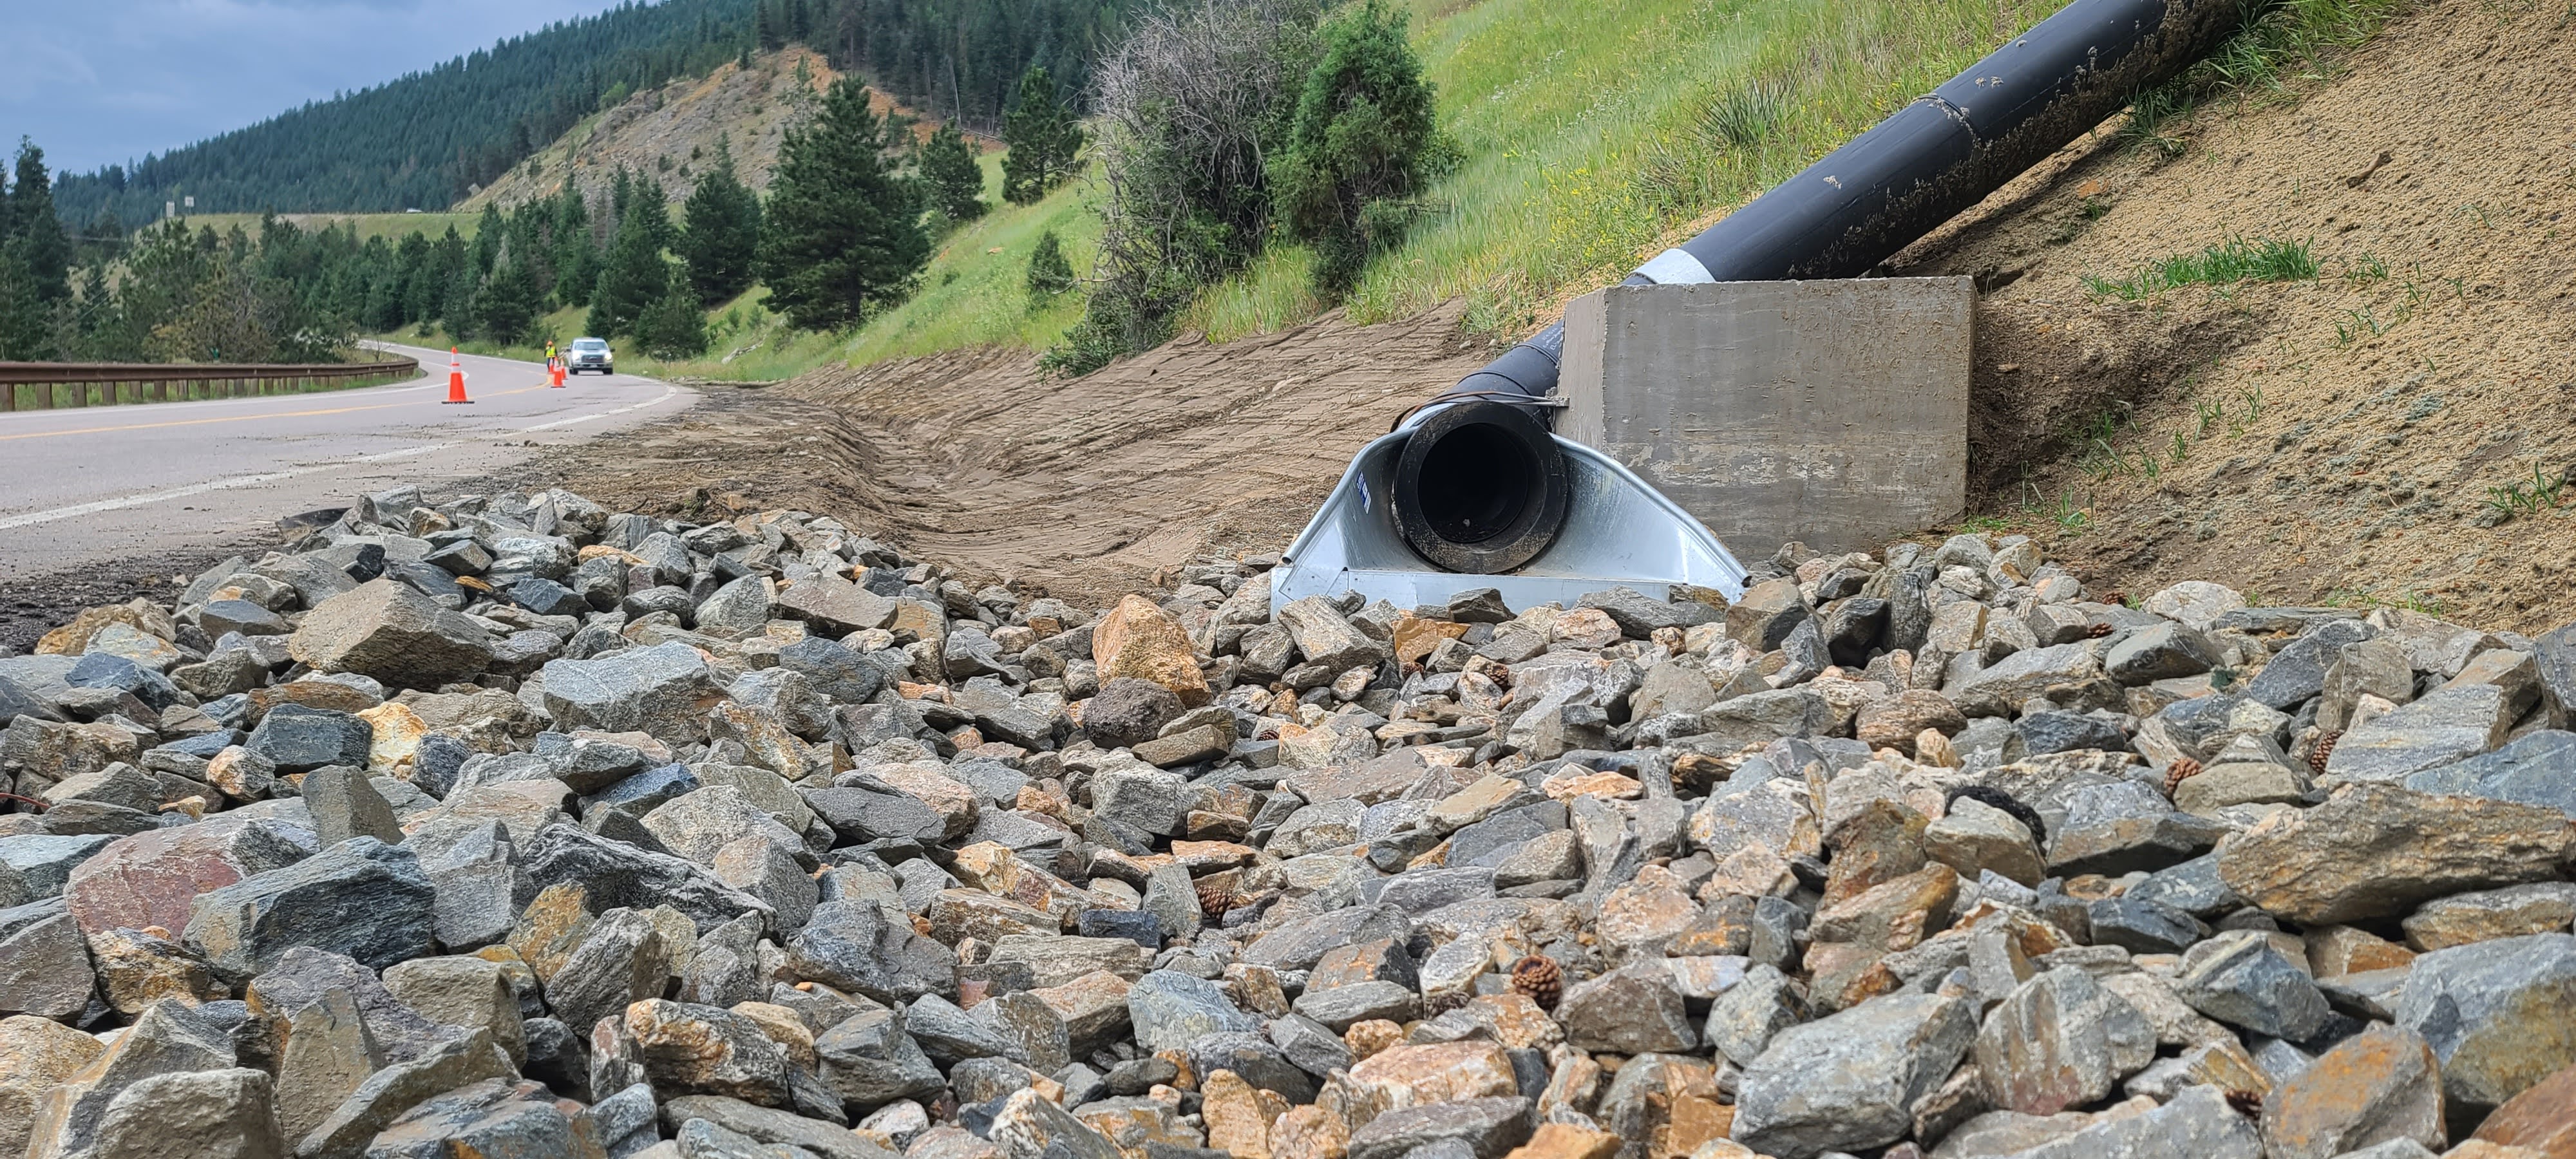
column 1830, row 412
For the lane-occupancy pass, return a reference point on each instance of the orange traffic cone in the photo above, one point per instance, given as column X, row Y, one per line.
column 559, row 375
column 455, row 379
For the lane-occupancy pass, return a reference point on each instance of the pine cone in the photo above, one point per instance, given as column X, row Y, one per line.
column 2183, row 769
column 2325, row 749
column 2246, row 1103
column 2098, row 631
column 1216, row 896
column 1540, row 980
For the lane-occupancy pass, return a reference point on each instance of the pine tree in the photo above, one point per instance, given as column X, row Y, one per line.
column 956, row 181
column 1363, row 144
column 24, row 333
column 1049, row 273
column 505, row 308
column 1043, row 137
column 35, row 230
column 840, row 237
column 723, row 235
column 489, row 232
column 634, row 276
column 456, row 306
column 576, row 259
column 673, row 326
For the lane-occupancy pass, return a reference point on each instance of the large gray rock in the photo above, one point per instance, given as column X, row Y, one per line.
column 2536, row 768
column 2298, row 670
column 869, row 1059
column 620, row 960
column 2494, row 1013
column 395, row 634
column 2198, row 1123
column 2448, row 725
column 2239, row 978
column 44, row 964
column 212, row 1114
column 1849, row 1081
column 43, row 862
column 2061, row 1041
column 1483, row 1128
column 1324, row 637
column 2000, row 690
column 858, row 946
column 1171, row 1010
column 1631, row 1010
column 769, row 1125
column 299, row 739
column 362, row 898
column 664, row 690
column 739, row 608
column 2374, row 850
column 615, row 874
column 2162, row 652
column 833, row 606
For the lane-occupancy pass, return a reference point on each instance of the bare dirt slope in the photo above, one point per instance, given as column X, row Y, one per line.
column 1086, row 487
column 670, row 132
column 2338, row 437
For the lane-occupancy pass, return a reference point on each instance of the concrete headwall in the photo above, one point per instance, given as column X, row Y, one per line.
column 1830, row 412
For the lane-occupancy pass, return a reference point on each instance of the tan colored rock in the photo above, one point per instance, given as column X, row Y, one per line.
column 1370, row 1037
column 1309, row 1132
column 1414, row 1076
column 1567, row 1141
column 552, row 927
column 2375, row 850
column 1417, row 638
column 388, row 631
column 73, row 639
column 1608, row 785
column 1900, row 721
column 137, row 968
column 1641, row 918
column 1851, row 937
column 1236, row 1121
column 1584, row 628
column 2541, row 1118
column 2381, row 1084
column 35, row 1054
column 2334, row 951
column 2511, row 912
column 1142, row 640
column 397, row 738
column 784, row 1027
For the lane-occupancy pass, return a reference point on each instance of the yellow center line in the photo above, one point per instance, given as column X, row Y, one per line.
column 241, row 418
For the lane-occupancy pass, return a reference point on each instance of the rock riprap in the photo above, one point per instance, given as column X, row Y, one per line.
column 513, row 826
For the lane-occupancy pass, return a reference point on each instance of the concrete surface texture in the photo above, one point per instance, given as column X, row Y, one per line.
column 1830, row 412
column 85, row 486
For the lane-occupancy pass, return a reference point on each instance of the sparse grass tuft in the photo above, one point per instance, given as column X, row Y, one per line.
column 2284, row 41
column 2238, row 260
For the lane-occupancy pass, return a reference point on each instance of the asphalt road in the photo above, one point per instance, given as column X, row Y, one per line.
column 83, row 487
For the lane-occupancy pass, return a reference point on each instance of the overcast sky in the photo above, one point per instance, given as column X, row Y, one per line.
column 102, row 81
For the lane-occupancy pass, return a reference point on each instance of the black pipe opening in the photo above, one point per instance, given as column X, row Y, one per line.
column 1480, row 487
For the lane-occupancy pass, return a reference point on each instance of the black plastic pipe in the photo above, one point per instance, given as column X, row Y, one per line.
column 1843, row 215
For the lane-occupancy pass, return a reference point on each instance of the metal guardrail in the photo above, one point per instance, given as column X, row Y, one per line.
column 55, row 385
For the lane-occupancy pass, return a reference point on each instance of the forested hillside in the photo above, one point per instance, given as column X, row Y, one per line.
column 962, row 59
column 424, row 140
column 430, row 139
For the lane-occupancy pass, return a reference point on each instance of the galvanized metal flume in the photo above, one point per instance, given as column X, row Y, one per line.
column 1472, row 492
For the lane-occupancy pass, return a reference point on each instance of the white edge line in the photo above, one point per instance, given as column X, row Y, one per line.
column 668, row 393
column 32, row 518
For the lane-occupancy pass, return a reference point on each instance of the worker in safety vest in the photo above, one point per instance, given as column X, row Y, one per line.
column 550, row 353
